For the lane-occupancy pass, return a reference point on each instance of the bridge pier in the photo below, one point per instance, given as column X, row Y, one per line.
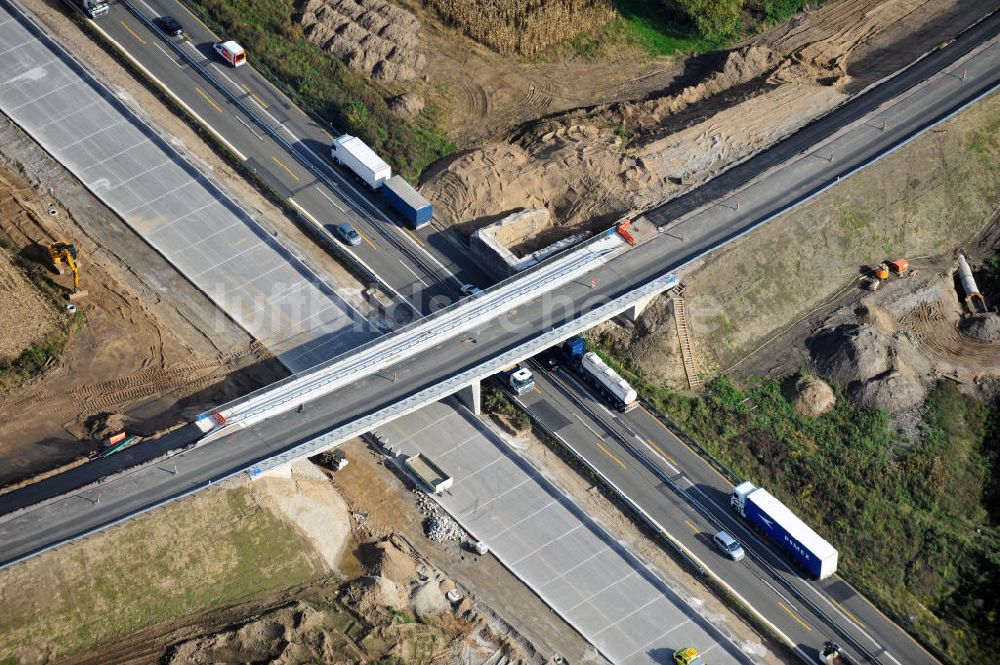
column 633, row 312
column 471, row 397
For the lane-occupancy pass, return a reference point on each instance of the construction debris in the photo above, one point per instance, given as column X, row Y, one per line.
column 441, row 528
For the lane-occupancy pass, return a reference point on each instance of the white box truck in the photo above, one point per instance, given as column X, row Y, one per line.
column 352, row 152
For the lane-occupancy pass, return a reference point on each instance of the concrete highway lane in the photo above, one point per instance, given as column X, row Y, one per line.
column 690, row 500
column 425, row 267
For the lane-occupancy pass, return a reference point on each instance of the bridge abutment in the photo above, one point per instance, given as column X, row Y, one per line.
column 471, row 397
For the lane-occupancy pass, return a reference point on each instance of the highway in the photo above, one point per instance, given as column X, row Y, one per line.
column 21, row 534
column 701, row 230
column 290, row 151
column 689, row 499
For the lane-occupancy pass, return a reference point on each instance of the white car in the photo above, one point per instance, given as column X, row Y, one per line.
column 728, row 546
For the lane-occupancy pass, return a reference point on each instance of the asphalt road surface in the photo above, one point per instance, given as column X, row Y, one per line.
column 290, row 151
column 689, row 499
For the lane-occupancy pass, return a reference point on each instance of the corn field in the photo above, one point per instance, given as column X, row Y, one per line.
column 523, row 26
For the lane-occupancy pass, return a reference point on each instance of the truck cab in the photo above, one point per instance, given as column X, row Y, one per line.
column 738, row 499
column 519, row 380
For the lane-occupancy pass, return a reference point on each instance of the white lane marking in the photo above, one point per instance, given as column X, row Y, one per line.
column 582, row 422
column 656, row 452
column 412, row 273
column 169, row 57
column 148, row 8
column 335, row 204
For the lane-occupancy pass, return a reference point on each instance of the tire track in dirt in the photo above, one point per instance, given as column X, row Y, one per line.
column 940, row 336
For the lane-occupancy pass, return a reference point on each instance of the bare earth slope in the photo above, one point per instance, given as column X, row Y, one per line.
column 588, row 167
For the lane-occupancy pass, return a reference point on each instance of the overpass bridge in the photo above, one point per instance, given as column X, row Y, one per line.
column 451, row 350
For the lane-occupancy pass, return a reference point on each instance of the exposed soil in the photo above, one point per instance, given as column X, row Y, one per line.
column 372, row 492
column 125, row 360
column 591, row 166
column 27, row 316
column 153, row 349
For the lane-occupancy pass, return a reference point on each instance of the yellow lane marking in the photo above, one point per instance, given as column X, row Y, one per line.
column 281, row 164
column 132, row 32
column 251, row 93
column 608, row 453
column 537, row 390
column 662, row 454
column 415, row 237
column 792, row 614
column 208, row 99
column 367, row 240
column 673, row 436
column 693, row 527
column 851, row 616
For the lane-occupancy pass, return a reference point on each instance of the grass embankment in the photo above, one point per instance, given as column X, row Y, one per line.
column 203, row 552
column 915, row 523
column 321, row 84
column 51, row 346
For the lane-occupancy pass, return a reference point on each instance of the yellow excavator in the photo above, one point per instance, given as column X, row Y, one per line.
column 64, row 252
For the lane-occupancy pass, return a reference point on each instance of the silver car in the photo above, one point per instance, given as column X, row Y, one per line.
column 728, row 546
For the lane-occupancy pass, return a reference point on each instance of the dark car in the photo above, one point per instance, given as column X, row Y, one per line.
column 551, row 358
column 169, row 25
column 347, row 234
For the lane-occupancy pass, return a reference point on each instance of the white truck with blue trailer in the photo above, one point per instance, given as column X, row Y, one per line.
column 352, row 152
column 407, row 201
column 781, row 525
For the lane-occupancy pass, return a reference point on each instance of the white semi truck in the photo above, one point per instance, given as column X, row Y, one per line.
column 352, row 152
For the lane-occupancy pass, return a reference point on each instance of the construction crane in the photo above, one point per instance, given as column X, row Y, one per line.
column 64, row 252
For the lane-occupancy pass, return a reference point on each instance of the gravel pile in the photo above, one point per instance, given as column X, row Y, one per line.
column 441, row 528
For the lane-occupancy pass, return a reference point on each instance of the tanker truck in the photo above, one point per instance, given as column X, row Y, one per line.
column 606, row 381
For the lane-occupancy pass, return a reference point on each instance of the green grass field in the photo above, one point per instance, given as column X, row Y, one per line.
column 202, row 552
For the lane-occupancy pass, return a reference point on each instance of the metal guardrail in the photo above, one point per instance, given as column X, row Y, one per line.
column 381, row 352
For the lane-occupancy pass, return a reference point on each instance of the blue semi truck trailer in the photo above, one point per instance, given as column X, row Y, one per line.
column 781, row 525
column 407, row 201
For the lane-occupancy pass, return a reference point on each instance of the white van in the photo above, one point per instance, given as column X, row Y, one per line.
column 231, row 52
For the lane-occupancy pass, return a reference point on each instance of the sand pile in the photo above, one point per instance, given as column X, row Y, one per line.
column 372, row 594
column 812, row 397
column 384, row 558
column 374, row 37
column 871, row 314
column 103, row 425
column 429, row 600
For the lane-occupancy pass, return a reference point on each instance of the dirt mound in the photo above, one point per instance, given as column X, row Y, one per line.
column 261, row 639
column 894, row 391
column 739, row 67
column 982, row 327
column 384, row 558
column 373, row 594
column 429, row 600
column 407, row 105
column 103, row 425
column 849, row 353
column 873, row 315
column 812, row 397
column 371, row 36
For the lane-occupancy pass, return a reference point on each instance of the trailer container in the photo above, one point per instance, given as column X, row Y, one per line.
column 352, row 152
column 781, row 525
column 407, row 201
